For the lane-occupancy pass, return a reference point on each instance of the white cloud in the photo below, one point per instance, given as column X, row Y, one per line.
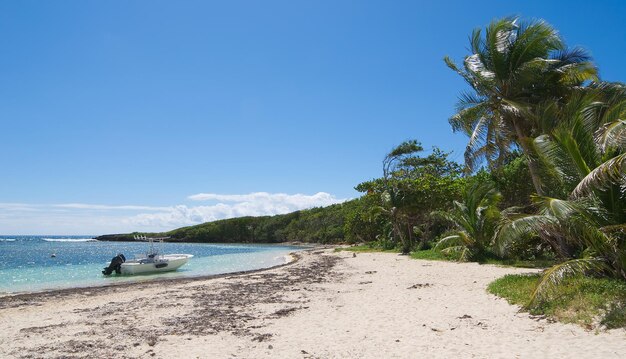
column 253, row 204
column 82, row 218
column 298, row 200
column 107, row 207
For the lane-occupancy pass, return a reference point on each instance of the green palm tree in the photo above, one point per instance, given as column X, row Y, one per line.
column 585, row 223
column 513, row 68
column 475, row 218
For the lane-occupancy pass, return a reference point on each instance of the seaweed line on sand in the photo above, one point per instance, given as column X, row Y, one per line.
column 241, row 306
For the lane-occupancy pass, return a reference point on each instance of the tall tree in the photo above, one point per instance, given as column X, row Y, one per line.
column 411, row 188
column 514, row 67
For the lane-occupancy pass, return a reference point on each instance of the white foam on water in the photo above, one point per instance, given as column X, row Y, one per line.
column 7, row 239
column 69, row 239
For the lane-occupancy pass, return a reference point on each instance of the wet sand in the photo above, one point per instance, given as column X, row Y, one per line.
column 324, row 305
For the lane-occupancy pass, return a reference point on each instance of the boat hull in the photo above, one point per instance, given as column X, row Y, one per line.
column 165, row 263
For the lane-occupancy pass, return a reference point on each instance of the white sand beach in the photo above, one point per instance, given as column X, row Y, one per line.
column 324, row 305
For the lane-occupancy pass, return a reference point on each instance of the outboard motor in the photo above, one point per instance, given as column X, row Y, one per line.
column 116, row 264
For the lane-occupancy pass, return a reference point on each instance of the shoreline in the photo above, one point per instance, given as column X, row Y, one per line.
column 324, row 305
column 5, row 298
column 147, row 280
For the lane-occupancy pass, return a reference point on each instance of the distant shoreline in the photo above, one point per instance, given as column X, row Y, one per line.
column 129, row 238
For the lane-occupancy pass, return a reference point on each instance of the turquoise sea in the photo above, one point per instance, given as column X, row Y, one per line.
column 35, row 263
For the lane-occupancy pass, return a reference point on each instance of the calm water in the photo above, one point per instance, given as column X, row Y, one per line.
column 27, row 264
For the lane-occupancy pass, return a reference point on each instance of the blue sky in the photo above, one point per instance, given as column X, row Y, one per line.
column 149, row 115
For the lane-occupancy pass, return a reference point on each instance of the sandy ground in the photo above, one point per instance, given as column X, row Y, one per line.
column 325, row 305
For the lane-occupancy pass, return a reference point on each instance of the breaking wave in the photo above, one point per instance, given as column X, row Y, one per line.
column 69, row 239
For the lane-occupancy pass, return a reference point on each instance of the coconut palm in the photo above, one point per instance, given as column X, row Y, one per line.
column 586, row 223
column 475, row 218
column 514, row 67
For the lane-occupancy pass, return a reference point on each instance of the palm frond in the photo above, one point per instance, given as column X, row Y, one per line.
column 449, row 216
column 612, row 135
column 611, row 172
column 450, row 63
column 516, row 228
column 560, row 209
column 549, row 157
column 553, row 276
column 570, row 149
column 464, row 254
column 449, row 241
column 619, row 228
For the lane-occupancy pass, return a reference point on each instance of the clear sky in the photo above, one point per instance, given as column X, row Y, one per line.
column 118, row 116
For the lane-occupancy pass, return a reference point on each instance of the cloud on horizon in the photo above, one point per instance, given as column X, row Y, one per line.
column 82, row 218
column 253, row 204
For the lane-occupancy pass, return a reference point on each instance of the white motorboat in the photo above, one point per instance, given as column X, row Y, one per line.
column 150, row 262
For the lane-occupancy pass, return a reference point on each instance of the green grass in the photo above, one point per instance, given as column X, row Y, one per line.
column 519, row 263
column 515, row 288
column 365, row 248
column 430, row 254
column 580, row 300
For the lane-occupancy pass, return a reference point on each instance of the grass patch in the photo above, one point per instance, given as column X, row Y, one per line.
column 581, row 300
column 430, row 254
column 364, row 248
column 515, row 288
column 519, row 263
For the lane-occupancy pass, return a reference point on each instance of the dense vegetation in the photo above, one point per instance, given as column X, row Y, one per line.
column 316, row 225
column 544, row 177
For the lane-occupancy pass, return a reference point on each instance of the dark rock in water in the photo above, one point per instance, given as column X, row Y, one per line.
column 116, row 238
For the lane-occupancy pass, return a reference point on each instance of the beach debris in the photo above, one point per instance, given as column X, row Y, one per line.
column 270, row 346
column 303, row 351
column 353, row 255
column 366, row 282
column 465, row 316
column 370, row 272
column 152, row 340
column 420, row 285
column 284, row 312
column 262, row 337
column 231, row 307
column 53, row 255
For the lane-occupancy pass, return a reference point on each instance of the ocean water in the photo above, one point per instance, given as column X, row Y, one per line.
column 34, row 263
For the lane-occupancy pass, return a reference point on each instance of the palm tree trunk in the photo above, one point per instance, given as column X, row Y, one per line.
column 532, row 165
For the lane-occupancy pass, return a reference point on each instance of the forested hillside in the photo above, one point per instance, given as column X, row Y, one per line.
column 316, row 225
